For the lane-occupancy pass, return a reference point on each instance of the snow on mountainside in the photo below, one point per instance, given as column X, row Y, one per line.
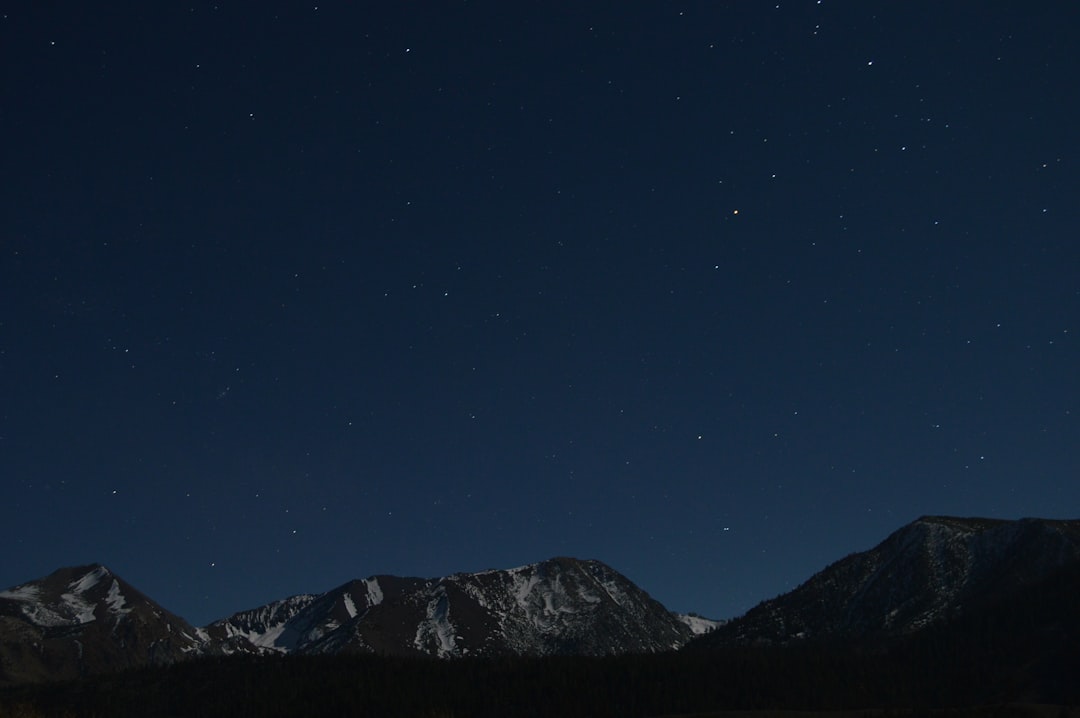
column 924, row 573
column 698, row 625
column 557, row 606
column 83, row 620
column 297, row 624
column 563, row 606
column 260, row 629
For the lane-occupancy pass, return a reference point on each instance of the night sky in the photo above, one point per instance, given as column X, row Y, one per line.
column 714, row 292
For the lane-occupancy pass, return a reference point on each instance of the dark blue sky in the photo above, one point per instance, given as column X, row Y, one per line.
column 715, row 292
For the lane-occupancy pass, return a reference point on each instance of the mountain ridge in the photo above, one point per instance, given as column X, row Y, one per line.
column 82, row 620
column 530, row 609
column 934, row 572
column 925, row 572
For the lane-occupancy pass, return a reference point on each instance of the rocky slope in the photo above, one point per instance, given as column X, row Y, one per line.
column 560, row 606
column 926, row 573
column 83, row 620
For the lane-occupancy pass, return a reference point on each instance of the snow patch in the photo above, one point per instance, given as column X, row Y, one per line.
column 436, row 627
column 590, row 597
column 374, row 592
column 612, row 589
column 88, row 581
column 697, row 624
column 267, row 638
column 350, row 606
column 41, row 616
column 22, row 593
column 115, row 600
column 523, row 586
column 81, row 610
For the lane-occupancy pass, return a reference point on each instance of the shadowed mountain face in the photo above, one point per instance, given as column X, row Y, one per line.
column 561, row 606
column 85, row 620
column 926, row 573
column 1000, row 590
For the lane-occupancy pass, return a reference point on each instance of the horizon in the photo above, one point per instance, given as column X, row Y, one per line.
column 693, row 612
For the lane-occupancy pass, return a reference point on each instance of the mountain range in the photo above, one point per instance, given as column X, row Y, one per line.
column 926, row 577
column 86, row 620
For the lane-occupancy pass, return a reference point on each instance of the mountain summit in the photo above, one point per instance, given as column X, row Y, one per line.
column 925, row 573
column 559, row 606
column 85, row 620
column 82, row 620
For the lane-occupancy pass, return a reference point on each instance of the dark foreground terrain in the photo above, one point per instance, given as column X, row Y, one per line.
column 949, row 677
column 1004, row 710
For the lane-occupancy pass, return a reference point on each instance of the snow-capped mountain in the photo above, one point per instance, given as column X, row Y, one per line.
column 296, row 624
column 560, row 606
column 924, row 574
column 83, row 620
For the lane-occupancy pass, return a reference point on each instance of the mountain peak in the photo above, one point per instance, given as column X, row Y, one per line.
column 923, row 573
column 85, row 619
column 970, row 523
column 92, row 574
column 558, row 605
